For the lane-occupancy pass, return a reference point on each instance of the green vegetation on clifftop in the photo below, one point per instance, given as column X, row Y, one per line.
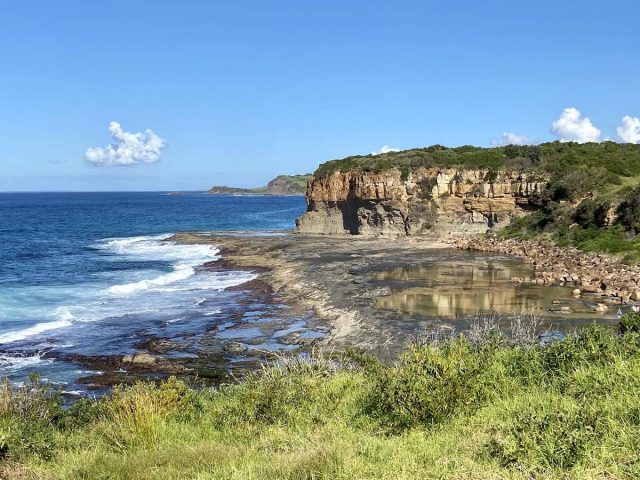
column 476, row 408
column 553, row 158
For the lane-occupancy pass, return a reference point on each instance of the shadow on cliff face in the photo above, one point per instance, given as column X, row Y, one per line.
column 349, row 210
column 349, row 213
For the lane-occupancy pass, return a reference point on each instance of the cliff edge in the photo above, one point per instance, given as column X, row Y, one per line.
column 587, row 193
column 424, row 200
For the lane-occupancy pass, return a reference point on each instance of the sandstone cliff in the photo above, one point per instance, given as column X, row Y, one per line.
column 417, row 202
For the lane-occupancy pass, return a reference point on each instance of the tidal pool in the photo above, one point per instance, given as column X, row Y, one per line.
column 449, row 288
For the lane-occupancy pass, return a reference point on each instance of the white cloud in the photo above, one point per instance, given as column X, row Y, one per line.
column 508, row 138
column 127, row 149
column 573, row 127
column 629, row 131
column 385, row 149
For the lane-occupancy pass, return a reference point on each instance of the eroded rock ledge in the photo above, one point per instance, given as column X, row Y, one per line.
column 416, row 202
column 595, row 274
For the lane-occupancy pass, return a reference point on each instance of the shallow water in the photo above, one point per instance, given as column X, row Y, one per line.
column 476, row 283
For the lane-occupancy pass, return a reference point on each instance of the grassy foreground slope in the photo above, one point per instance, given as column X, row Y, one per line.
column 461, row 408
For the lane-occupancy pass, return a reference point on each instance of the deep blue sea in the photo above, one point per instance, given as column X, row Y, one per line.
column 89, row 273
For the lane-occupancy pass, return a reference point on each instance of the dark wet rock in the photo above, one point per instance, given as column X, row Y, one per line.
column 159, row 345
column 551, row 336
column 143, row 359
column 212, row 373
column 256, row 286
column 234, row 347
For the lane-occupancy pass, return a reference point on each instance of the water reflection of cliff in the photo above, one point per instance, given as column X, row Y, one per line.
column 448, row 289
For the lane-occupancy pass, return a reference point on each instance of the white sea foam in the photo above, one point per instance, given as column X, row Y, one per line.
column 33, row 330
column 11, row 363
column 180, row 272
column 147, row 291
column 157, row 247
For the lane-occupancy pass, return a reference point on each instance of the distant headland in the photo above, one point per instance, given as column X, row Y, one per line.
column 281, row 185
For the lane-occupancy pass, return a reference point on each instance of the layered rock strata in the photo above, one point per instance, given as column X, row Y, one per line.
column 417, row 202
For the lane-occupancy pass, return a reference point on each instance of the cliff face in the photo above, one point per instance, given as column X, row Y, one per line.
column 428, row 199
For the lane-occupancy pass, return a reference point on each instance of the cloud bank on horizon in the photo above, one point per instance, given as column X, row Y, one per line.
column 572, row 126
column 128, row 148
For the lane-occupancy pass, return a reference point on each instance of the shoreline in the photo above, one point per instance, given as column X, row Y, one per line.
column 293, row 265
column 337, row 278
column 327, row 282
column 594, row 274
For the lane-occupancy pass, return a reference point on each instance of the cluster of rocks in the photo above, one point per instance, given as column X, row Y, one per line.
column 597, row 275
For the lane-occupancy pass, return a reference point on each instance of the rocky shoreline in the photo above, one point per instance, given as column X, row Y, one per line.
column 599, row 275
column 338, row 285
column 341, row 280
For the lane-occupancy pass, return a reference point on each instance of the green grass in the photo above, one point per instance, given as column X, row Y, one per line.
column 479, row 409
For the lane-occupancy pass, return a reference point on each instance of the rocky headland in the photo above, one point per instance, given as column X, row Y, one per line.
column 421, row 201
column 281, row 185
column 463, row 195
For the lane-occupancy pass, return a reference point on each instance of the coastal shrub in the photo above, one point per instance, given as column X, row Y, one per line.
column 28, row 416
column 591, row 214
column 629, row 211
column 547, row 433
column 431, row 383
column 137, row 413
column 557, row 158
column 630, row 322
column 596, row 344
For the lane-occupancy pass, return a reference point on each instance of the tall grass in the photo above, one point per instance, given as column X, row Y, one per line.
column 487, row 405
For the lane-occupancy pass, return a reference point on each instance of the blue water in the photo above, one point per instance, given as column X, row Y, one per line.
column 91, row 273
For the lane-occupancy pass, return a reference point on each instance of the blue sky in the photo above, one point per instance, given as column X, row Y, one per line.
column 241, row 91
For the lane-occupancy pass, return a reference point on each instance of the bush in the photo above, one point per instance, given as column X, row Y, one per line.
column 431, row 384
column 630, row 322
column 551, row 433
column 28, row 417
column 137, row 413
column 591, row 214
column 629, row 211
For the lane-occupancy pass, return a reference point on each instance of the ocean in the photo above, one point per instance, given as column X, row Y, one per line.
column 86, row 274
